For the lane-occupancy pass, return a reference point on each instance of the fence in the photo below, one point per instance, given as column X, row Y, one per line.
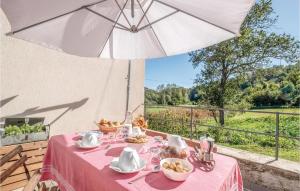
column 190, row 122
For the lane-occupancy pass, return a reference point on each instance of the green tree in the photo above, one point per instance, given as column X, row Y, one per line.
column 234, row 58
column 151, row 97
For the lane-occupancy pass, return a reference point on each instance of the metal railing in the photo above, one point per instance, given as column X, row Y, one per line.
column 193, row 123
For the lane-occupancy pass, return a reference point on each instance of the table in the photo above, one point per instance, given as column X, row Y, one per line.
column 76, row 169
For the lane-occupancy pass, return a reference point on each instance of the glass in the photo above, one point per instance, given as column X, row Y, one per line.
column 154, row 154
column 127, row 124
column 116, row 134
column 128, row 118
column 111, row 137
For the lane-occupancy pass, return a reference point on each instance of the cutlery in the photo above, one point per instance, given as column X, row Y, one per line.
column 154, row 170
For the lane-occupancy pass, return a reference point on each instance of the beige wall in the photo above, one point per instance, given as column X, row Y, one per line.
column 69, row 91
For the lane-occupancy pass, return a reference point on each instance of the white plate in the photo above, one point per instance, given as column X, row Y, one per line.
column 79, row 145
column 114, row 165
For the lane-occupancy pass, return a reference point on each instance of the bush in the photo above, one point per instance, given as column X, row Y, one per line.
column 237, row 139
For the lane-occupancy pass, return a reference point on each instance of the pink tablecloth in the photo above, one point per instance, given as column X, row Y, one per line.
column 74, row 169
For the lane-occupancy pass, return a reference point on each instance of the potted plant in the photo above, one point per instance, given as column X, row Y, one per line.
column 16, row 134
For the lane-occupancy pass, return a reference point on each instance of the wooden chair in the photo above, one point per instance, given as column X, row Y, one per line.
column 33, row 181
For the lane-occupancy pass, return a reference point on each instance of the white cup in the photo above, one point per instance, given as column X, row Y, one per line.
column 129, row 159
column 176, row 141
column 89, row 139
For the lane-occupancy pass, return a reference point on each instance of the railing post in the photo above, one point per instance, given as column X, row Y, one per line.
column 277, row 136
column 182, row 124
column 191, row 124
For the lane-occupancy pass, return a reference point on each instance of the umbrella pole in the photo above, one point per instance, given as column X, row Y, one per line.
column 128, row 86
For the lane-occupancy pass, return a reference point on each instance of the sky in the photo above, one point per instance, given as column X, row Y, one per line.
column 177, row 69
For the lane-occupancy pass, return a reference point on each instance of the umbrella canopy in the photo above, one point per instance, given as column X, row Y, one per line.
column 125, row 29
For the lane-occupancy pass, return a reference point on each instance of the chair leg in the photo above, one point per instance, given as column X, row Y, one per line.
column 54, row 188
column 43, row 187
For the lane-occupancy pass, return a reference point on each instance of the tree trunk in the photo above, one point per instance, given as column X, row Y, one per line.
column 221, row 111
column 221, row 116
column 222, row 95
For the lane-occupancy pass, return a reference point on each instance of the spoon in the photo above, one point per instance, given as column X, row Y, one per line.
column 154, row 170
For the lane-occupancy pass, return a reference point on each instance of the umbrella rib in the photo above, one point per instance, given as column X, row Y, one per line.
column 164, row 17
column 204, row 20
column 123, row 13
column 122, row 28
column 152, row 28
column 144, row 14
column 132, row 8
column 112, row 29
column 96, row 13
column 47, row 20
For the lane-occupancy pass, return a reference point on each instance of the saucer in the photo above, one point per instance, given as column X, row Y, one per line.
column 114, row 165
column 80, row 145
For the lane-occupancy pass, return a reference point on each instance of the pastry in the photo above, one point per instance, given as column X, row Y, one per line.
column 175, row 166
column 137, row 139
column 171, row 152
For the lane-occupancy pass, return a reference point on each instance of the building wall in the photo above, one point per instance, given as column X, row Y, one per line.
column 70, row 92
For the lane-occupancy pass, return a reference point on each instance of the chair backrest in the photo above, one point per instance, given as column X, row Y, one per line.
column 16, row 164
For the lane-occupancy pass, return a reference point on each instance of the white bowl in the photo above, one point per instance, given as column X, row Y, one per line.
column 176, row 176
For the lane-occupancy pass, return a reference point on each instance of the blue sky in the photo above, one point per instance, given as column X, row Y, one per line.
column 177, row 69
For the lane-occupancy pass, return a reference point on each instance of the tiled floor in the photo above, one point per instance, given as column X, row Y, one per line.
column 254, row 187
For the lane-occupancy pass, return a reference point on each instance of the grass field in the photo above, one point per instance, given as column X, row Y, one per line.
column 177, row 121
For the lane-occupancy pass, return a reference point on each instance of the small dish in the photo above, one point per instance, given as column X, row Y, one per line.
column 114, row 166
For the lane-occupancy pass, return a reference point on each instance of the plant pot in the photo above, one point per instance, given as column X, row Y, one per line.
column 24, row 138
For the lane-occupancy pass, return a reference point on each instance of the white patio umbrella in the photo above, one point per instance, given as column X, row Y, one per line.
column 125, row 29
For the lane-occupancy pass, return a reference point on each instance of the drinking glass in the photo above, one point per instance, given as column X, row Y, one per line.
column 116, row 134
column 154, row 154
column 111, row 136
